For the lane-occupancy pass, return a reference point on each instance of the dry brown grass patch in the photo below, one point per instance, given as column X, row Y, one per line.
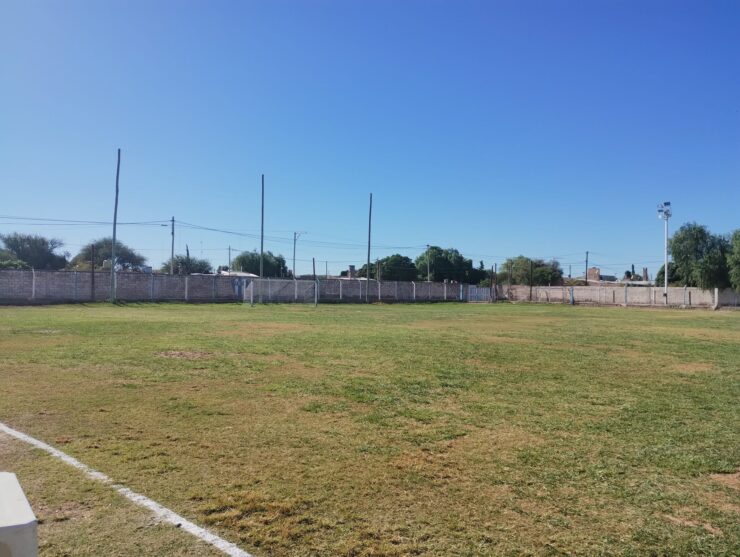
column 184, row 354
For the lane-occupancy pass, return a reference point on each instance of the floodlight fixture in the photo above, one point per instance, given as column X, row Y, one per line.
column 664, row 213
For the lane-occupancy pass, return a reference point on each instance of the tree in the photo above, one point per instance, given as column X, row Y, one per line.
column 698, row 256
column 543, row 273
column 672, row 277
column 393, row 267
column 126, row 257
column 35, row 251
column 448, row 264
column 249, row 262
column 733, row 260
column 184, row 265
column 8, row 260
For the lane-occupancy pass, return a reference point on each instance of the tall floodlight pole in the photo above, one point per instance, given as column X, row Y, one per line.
column 113, row 244
column 296, row 235
column 664, row 213
column 262, row 228
column 172, row 247
column 369, row 230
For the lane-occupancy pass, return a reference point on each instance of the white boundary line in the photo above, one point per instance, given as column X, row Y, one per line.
column 163, row 513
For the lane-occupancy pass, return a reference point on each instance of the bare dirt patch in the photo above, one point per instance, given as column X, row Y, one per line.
column 692, row 524
column 184, row 354
column 730, row 480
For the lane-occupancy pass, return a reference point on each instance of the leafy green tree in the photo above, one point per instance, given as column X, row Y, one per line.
column 543, row 273
column 35, row 251
column 448, row 264
column 8, row 260
column 393, row 267
column 672, row 277
column 698, row 257
column 733, row 260
column 126, row 257
column 249, row 262
column 184, row 265
column 712, row 271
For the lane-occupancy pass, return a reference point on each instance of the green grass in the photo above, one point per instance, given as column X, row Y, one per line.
column 386, row 430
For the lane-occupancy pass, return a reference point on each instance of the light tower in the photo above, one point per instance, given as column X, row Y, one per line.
column 664, row 213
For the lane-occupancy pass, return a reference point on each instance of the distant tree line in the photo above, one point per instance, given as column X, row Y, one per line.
column 700, row 258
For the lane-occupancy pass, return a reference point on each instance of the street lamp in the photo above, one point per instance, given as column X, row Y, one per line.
column 296, row 235
column 664, row 213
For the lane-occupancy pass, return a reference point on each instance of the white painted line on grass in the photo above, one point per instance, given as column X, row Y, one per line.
column 163, row 513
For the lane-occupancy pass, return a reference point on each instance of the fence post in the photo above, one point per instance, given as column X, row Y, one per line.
column 251, row 293
column 572, row 297
column 316, row 293
column 187, row 278
column 214, row 287
column 396, row 283
column 716, row 299
column 75, row 286
column 413, row 286
column 445, row 291
column 295, row 286
column 340, row 290
column 151, row 287
column 684, row 295
column 33, row 284
column 461, row 292
column 625, row 295
column 379, row 290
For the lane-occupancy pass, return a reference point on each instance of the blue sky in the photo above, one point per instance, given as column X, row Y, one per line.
column 499, row 128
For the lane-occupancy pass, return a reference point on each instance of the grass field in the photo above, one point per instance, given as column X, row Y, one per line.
column 380, row 430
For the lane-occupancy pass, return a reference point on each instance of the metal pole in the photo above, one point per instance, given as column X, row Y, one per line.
column 172, row 248
column 113, row 244
column 295, row 237
column 229, row 258
column 369, row 231
column 262, row 228
column 586, row 275
column 665, row 265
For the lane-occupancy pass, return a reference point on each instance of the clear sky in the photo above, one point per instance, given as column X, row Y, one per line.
column 497, row 127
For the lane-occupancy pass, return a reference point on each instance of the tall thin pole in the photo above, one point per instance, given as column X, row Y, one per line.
column 314, row 268
column 586, row 276
column 92, row 272
column 113, row 244
column 172, row 248
column 665, row 264
column 326, row 268
column 229, row 258
column 429, row 273
column 295, row 239
column 262, row 228
column 369, row 231
column 530, row 279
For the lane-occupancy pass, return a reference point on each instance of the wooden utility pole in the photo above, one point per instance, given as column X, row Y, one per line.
column 369, row 231
column 113, row 244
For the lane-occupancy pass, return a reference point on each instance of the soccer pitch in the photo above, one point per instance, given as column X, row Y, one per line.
column 458, row 429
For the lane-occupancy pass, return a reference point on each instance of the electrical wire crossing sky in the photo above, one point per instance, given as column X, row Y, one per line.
column 497, row 128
